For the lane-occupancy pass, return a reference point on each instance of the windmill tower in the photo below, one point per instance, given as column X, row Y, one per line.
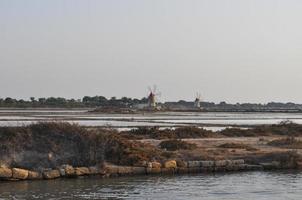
column 197, row 101
column 152, row 96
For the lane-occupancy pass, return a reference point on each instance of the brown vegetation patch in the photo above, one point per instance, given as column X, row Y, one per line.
column 284, row 128
column 125, row 152
column 288, row 142
column 237, row 132
column 288, row 158
column 237, row 146
column 195, row 154
column 51, row 144
column 178, row 133
column 173, row 145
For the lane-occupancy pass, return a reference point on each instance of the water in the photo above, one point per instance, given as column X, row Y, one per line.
column 243, row 185
column 210, row 121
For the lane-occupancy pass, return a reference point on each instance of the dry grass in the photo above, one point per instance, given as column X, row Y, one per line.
column 173, row 145
column 288, row 142
column 237, row 146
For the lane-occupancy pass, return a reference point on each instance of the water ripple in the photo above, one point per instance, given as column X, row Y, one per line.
column 251, row 185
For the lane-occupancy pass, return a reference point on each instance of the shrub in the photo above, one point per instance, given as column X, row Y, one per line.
column 121, row 151
column 237, row 132
column 51, row 144
column 178, row 133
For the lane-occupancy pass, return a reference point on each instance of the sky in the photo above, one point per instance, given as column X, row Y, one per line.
column 228, row 50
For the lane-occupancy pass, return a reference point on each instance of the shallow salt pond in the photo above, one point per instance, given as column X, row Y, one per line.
column 168, row 119
column 278, row 185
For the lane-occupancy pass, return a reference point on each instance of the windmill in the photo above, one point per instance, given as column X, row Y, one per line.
column 197, row 100
column 153, row 96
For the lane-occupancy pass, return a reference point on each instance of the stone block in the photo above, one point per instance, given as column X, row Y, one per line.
column 51, row 174
column 153, row 170
column 82, row 171
column 5, row 172
column 34, row 175
column 20, row 173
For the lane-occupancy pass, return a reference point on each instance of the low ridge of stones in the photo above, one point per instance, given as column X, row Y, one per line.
column 147, row 168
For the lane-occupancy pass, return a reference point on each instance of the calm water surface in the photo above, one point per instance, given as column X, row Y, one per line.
column 166, row 119
column 245, row 185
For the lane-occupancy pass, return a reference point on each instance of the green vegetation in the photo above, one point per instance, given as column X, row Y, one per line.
column 59, row 102
column 126, row 102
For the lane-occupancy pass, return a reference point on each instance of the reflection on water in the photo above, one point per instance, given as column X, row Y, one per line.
column 251, row 185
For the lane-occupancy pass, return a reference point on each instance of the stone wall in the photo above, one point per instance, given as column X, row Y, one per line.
column 169, row 167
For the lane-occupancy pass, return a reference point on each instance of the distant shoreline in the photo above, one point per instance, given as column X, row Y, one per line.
column 135, row 111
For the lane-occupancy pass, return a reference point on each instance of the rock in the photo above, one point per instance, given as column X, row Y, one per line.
column 170, row 164
column 221, row 163
column 156, row 165
column 193, row 170
column 238, row 162
column 141, row 164
column 230, row 167
column 270, row 166
column 182, row 170
column 34, row 175
column 5, row 172
column 229, row 162
column 168, row 170
column 242, row 167
column 235, row 168
column 62, row 172
column 124, row 170
column 20, row 173
column 153, row 170
column 299, row 164
column 139, row 170
column 69, row 170
column 181, row 163
column 111, row 169
column 277, row 164
column 81, row 171
column 219, row 169
column 51, row 174
column 193, row 164
column 206, row 169
column 254, row 167
column 94, row 170
column 207, row 163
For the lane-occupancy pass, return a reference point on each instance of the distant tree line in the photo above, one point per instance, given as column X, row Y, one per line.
column 223, row 106
column 125, row 102
column 59, row 102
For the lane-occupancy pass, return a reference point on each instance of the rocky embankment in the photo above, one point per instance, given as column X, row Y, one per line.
column 63, row 150
column 170, row 167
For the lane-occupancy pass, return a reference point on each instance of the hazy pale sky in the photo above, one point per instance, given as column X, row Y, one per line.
column 229, row 50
